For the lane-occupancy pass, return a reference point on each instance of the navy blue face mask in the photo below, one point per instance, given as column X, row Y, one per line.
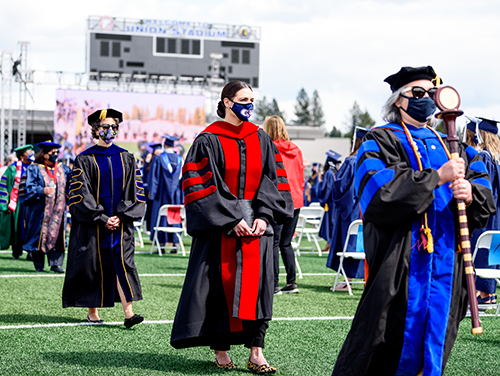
column 420, row 109
column 243, row 111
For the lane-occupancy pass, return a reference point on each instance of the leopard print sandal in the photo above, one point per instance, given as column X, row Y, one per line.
column 260, row 370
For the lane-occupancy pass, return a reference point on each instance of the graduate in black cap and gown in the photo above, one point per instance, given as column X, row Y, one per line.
column 164, row 187
column 415, row 296
column 12, row 187
column 45, row 208
column 346, row 211
column 106, row 196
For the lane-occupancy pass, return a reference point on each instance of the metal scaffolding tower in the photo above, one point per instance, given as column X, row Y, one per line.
column 24, row 76
column 6, row 103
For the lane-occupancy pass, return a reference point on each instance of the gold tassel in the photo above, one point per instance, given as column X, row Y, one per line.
column 436, row 80
column 430, row 241
column 103, row 114
column 326, row 207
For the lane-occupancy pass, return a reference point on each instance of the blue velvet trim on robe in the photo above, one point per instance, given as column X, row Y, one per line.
column 110, row 195
column 369, row 164
column 478, row 166
column 471, row 152
column 366, row 146
column 484, row 182
column 374, row 184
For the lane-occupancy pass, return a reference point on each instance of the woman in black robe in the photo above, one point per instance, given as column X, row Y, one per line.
column 234, row 185
column 105, row 197
column 415, row 295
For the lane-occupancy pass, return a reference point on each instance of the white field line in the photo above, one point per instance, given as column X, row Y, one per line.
column 37, row 326
column 47, row 275
column 327, row 318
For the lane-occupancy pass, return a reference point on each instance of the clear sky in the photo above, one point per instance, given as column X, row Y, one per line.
column 342, row 48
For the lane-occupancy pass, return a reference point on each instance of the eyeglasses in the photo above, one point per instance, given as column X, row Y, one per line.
column 107, row 126
column 419, row 92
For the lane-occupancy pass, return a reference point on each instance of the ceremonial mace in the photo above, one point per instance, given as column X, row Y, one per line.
column 448, row 100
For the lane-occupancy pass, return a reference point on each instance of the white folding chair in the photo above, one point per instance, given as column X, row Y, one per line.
column 295, row 247
column 178, row 231
column 353, row 230
column 484, row 241
column 308, row 224
column 138, row 226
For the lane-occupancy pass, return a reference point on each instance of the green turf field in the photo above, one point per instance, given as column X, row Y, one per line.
column 304, row 338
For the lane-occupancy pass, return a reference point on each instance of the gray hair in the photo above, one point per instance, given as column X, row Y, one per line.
column 391, row 113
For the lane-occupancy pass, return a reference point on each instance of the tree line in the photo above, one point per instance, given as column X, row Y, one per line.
column 309, row 112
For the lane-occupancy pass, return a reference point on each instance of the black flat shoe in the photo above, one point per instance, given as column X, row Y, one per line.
column 40, row 271
column 94, row 321
column 136, row 319
column 57, row 269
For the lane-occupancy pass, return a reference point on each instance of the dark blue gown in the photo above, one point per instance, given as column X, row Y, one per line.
column 345, row 210
column 164, row 187
column 324, row 193
column 481, row 260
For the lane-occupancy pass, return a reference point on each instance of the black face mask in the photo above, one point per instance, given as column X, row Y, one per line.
column 53, row 158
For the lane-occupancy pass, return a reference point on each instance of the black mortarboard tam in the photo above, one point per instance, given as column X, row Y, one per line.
column 488, row 125
column 410, row 74
column 103, row 114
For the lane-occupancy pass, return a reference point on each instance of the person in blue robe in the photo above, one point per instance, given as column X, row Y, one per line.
column 310, row 195
column 164, row 186
column 489, row 147
column 153, row 148
column 346, row 209
column 45, row 208
column 415, row 296
column 324, row 189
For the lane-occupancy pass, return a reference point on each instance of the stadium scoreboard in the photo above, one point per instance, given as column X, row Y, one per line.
column 157, row 49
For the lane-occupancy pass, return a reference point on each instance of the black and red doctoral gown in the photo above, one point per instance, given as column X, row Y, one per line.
column 229, row 280
column 105, row 182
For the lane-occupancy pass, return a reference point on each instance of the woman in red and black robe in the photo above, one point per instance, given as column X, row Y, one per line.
column 232, row 169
